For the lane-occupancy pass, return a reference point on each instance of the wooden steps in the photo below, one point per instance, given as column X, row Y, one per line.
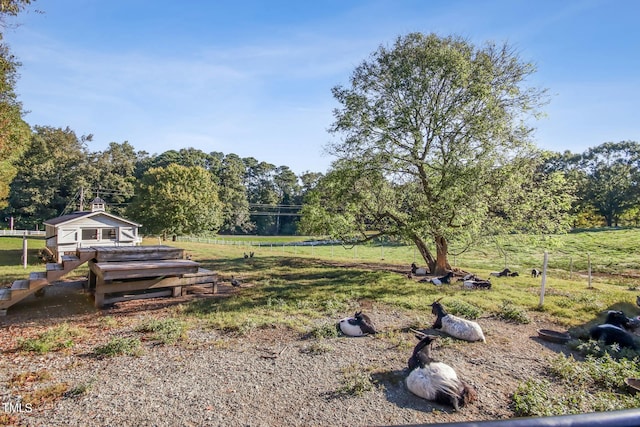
column 20, row 289
column 118, row 274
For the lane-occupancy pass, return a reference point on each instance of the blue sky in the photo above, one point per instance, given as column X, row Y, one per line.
column 254, row 78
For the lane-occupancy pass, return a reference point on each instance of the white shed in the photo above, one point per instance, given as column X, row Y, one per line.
column 84, row 229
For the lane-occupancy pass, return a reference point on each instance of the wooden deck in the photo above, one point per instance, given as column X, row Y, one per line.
column 124, row 273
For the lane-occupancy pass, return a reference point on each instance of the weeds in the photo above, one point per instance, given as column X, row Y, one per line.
column 45, row 395
column 317, row 348
column 119, row 346
column 21, row 380
column 324, row 330
column 463, row 309
column 79, row 390
column 356, row 382
column 166, row 331
column 512, row 313
column 53, row 339
column 597, row 384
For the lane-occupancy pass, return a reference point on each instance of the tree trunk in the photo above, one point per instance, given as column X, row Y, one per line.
column 442, row 248
column 424, row 251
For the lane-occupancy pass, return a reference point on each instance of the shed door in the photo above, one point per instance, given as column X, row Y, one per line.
column 127, row 234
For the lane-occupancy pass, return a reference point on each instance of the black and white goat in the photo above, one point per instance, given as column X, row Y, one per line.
column 614, row 331
column 436, row 381
column 418, row 271
column 446, row 279
column 503, row 273
column 357, row 326
column 457, row 327
column 476, row 283
column 536, row 273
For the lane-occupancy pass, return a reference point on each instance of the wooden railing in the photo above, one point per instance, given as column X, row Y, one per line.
column 21, row 233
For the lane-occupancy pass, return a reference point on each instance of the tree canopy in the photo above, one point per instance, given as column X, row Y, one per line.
column 433, row 146
column 176, row 199
column 14, row 131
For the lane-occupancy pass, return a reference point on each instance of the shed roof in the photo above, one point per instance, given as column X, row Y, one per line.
column 65, row 219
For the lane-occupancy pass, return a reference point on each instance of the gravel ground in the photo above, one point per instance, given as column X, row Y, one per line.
column 271, row 377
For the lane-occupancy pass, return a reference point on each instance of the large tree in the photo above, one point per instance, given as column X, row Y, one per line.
column 433, row 138
column 112, row 175
column 612, row 184
column 50, row 174
column 14, row 131
column 177, row 200
column 233, row 195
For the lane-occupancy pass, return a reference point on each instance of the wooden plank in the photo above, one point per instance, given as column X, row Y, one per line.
column 159, row 282
column 137, row 253
column 142, row 269
column 112, row 300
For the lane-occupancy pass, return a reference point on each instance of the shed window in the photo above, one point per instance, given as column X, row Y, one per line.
column 89, row 234
column 108, row 234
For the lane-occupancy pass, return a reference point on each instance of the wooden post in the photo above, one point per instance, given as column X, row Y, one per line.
column 589, row 268
column 570, row 268
column 544, row 278
column 24, row 250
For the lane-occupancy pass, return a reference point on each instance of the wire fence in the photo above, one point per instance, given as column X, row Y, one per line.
column 569, row 265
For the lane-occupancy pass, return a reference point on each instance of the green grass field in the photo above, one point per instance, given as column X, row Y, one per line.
column 304, row 280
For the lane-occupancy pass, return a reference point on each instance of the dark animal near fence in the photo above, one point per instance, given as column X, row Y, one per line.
column 613, row 331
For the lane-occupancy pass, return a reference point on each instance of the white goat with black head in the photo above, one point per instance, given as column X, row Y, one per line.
column 457, row 327
column 446, row 279
column 418, row 271
column 436, row 381
column 357, row 326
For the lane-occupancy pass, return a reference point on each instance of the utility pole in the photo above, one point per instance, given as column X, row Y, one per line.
column 81, row 199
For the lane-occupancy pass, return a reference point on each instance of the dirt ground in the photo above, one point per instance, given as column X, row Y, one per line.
column 513, row 353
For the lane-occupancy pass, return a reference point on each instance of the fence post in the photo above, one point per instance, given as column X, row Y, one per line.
column 24, row 250
column 589, row 268
column 570, row 268
column 544, row 278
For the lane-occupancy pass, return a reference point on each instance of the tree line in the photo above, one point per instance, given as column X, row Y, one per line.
column 184, row 191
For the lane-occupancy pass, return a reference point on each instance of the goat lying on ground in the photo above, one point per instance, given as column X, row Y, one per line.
column 502, row 273
column 446, row 279
column 434, row 380
column 614, row 331
column 505, row 273
column 457, row 327
column 418, row 271
column 356, row 326
column 477, row 284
